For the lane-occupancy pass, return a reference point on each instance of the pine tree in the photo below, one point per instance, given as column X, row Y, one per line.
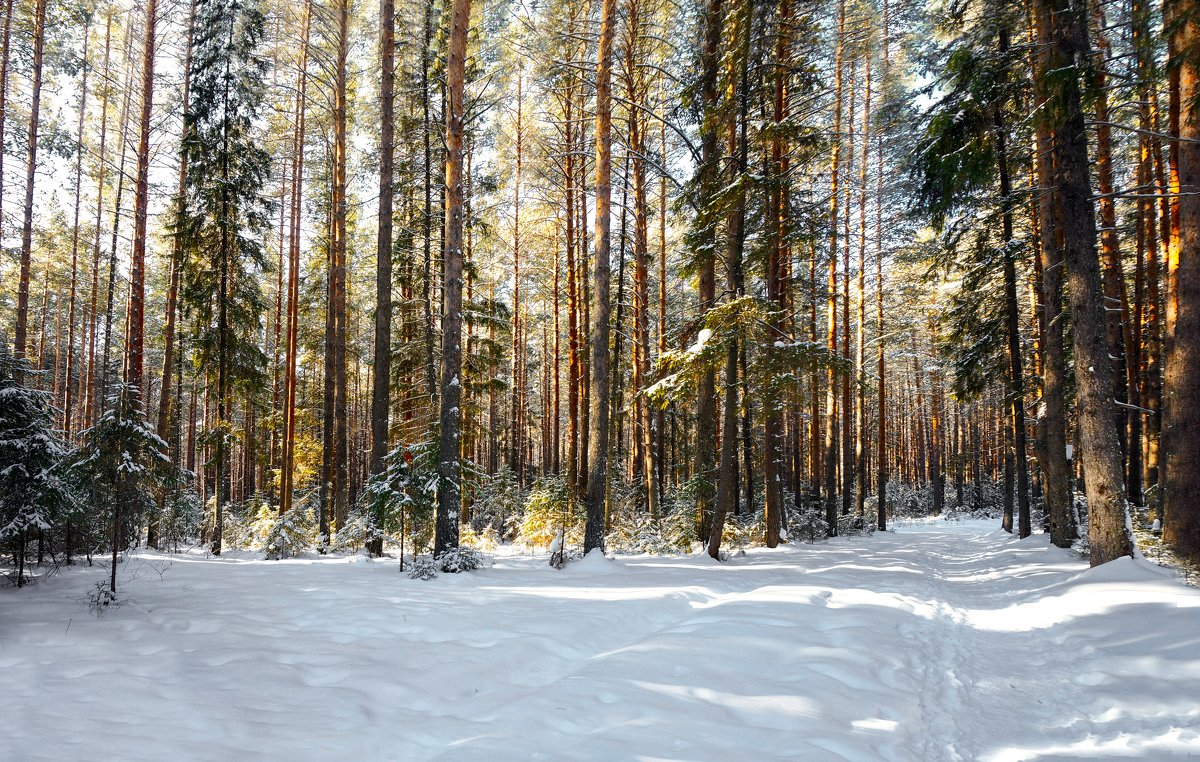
column 597, row 493
column 1066, row 43
column 1182, row 390
column 287, row 466
column 449, row 492
column 31, row 160
column 5, row 58
column 381, row 390
column 703, row 239
column 136, row 310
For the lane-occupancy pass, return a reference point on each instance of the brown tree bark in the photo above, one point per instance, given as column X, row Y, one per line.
column 779, row 254
column 1181, row 494
column 518, row 346
column 272, row 462
column 1066, row 40
column 4, row 61
column 1016, row 373
column 449, row 491
column 287, row 475
column 39, row 46
column 846, row 454
column 937, row 477
column 381, row 388
column 597, row 491
column 860, row 397
column 165, row 398
column 556, row 437
column 337, row 475
column 69, row 390
column 1052, row 447
column 831, row 420
column 427, row 217
column 134, row 330
column 637, row 87
column 660, row 416
column 616, row 408
column 881, row 466
column 585, row 298
column 1113, row 274
column 710, row 151
column 1150, row 323
column 573, row 349
column 87, row 388
column 737, row 37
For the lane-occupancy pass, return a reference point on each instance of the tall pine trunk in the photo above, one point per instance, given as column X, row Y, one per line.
column 644, row 417
column 779, row 254
column 1016, row 373
column 1108, row 534
column 165, row 398
column 881, row 466
column 597, row 491
column 134, row 329
column 1149, row 329
column 1113, row 275
column 860, row 401
column 337, row 416
column 39, row 45
column 5, row 57
column 518, row 346
column 1052, row 447
column 1181, row 496
column 380, row 392
column 573, row 369
column 87, row 390
column 68, row 393
column 449, row 491
column 710, row 152
column 427, row 216
column 287, row 475
column 831, row 421
column 735, row 231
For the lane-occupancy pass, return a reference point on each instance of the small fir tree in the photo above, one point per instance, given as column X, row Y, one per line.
column 121, row 464
column 400, row 499
column 33, row 492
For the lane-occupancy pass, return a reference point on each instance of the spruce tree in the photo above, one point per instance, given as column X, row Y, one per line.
column 33, row 493
column 122, row 463
column 223, row 216
column 964, row 158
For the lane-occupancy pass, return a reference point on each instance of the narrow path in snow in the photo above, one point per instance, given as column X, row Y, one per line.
column 937, row 650
column 937, row 643
column 1019, row 637
column 968, row 676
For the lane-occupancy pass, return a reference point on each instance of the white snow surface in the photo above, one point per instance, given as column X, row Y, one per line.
column 939, row 642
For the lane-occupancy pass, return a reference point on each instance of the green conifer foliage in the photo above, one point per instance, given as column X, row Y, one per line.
column 224, row 214
column 33, row 493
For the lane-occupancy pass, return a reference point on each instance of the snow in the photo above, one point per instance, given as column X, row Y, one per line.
column 702, row 338
column 665, row 383
column 938, row 642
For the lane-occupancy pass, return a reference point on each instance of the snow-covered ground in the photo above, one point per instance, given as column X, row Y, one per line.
column 940, row 642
